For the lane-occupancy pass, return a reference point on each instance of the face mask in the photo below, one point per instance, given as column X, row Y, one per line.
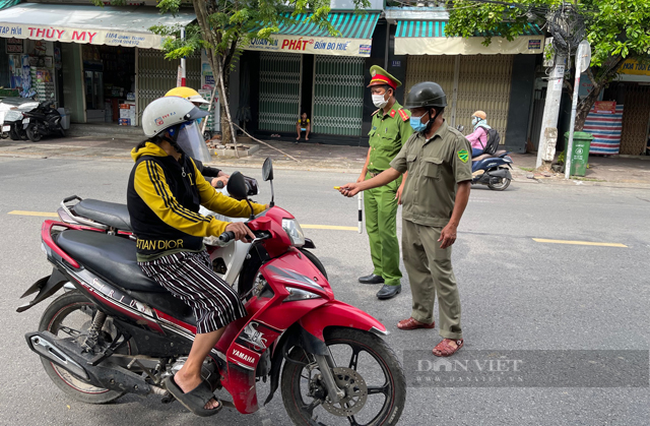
column 379, row 101
column 416, row 124
column 475, row 121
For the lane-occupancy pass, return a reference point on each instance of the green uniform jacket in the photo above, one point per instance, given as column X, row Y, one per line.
column 388, row 134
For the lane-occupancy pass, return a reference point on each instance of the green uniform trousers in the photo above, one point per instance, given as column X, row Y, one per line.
column 430, row 272
column 381, row 224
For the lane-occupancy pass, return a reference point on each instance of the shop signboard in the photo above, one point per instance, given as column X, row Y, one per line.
column 605, row 107
column 81, row 36
column 312, row 45
column 633, row 67
column 14, row 45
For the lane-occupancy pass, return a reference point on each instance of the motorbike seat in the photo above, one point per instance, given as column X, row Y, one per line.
column 113, row 258
column 108, row 256
column 497, row 154
column 114, row 215
column 481, row 157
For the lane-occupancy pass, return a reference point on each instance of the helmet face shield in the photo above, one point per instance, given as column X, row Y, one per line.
column 191, row 142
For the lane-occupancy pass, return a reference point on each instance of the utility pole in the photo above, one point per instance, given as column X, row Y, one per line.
column 549, row 132
column 583, row 59
column 183, row 63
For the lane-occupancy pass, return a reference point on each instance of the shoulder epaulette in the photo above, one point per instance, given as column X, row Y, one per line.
column 404, row 115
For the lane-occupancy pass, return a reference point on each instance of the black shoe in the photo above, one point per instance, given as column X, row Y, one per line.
column 371, row 279
column 389, row 291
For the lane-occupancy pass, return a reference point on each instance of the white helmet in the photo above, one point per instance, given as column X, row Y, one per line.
column 177, row 115
column 166, row 112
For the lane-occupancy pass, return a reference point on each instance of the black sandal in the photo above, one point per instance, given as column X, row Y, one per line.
column 195, row 399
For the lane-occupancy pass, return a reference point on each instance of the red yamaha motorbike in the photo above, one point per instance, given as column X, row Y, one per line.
column 119, row 332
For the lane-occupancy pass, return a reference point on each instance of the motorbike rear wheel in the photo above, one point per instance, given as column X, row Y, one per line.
column 375, row 394
column 33, row 133
column 500, row 186
column 74, row 311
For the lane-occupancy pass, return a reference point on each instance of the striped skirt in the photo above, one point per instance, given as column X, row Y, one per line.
column 189, row 277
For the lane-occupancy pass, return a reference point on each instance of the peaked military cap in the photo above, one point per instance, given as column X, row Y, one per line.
column 380, row 77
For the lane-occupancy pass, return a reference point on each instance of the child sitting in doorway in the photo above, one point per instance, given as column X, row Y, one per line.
column 303, row 125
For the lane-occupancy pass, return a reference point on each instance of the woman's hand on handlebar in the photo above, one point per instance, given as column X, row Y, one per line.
column 241, row 231
column 220, row 182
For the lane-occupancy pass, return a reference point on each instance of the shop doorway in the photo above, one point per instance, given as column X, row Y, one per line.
column 109, row 83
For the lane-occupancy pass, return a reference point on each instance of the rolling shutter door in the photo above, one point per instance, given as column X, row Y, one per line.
column 483, row 83
column 157, row 75
column 279, row 91
column 635, row 120
column 338, row 95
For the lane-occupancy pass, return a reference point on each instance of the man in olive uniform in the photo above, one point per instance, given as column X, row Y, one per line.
column 438, row 159
column 390, row 129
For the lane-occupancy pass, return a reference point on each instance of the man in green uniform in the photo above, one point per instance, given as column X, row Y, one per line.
column 438, row 159
column 390, row 129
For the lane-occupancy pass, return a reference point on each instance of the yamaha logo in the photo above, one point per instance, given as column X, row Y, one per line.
column 249, row 359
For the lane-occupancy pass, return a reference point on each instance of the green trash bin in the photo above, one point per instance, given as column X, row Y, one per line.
column 580, row 154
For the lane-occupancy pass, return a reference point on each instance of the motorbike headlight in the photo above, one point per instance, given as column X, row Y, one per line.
column 294, row 231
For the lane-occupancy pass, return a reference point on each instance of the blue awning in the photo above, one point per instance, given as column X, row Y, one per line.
column 300, row 36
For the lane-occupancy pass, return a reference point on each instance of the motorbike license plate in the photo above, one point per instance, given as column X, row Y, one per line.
column 6, row 128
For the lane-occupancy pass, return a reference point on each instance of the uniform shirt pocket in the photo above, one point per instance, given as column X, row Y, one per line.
column 410, row 159
column 432, row 167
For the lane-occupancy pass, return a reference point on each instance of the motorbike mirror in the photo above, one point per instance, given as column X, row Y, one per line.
column 267, row 169
column 461, row 128
column 237, row 186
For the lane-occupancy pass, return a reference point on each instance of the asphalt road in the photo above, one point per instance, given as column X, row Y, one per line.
column 516, row 293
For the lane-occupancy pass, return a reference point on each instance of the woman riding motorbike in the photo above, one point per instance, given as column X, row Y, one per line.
column 479, row 137
column 165, row 192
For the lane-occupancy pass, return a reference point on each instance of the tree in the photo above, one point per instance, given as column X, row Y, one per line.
column 616, row 29
column 223, row 26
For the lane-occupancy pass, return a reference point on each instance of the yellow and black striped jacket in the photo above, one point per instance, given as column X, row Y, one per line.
column 164, row 196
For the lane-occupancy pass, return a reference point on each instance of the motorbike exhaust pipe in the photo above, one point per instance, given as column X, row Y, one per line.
column 66, row 354
column 39, row 343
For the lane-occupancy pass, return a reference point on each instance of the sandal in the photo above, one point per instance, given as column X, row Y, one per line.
column 195, row 399
column 445, row 348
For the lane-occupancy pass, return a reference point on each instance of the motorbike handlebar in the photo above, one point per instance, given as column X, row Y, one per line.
column 229, row 236
column 226, row 237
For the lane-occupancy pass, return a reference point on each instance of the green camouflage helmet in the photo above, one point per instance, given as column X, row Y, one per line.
column 426, row 94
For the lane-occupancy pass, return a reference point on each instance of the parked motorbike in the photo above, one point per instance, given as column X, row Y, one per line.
column 44, row 120
column 13, row 120
column 119, row 332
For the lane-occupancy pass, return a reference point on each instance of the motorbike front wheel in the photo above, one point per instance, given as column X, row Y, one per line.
column 33, row 133
column 367, row 370
column 71, row 315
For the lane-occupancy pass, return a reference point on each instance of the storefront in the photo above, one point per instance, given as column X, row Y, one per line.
column 497, row 79
column 95, row 60
column 304, row 69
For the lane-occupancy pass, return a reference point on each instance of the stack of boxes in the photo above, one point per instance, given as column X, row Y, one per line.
column 127, row 114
